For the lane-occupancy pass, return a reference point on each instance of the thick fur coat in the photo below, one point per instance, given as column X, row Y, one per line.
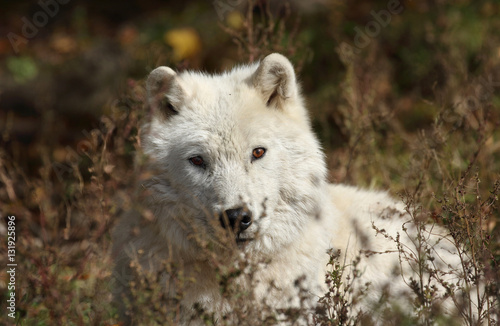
column 243, row 139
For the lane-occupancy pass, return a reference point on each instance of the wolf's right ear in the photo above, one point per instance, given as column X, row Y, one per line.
column 275, row 79
column 165, row 93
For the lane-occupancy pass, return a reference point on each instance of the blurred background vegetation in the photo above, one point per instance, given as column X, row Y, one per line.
column 410, row 104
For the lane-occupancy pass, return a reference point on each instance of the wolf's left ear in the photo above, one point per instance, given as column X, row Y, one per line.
column 275, row 79
column 165, row 93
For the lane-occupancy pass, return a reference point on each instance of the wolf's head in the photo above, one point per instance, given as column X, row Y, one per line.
column 234, row 150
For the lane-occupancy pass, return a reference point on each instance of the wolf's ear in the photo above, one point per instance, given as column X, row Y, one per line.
column 275, row 79
column 165, row 93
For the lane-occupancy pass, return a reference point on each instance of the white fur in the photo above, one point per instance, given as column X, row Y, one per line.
column 297, row 215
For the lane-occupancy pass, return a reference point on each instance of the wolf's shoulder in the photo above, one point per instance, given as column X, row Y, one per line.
column 346, row 197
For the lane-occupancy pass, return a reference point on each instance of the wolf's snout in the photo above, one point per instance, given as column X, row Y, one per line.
column 239, row 219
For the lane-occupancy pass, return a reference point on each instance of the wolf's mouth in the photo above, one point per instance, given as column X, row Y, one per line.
column 242, row 240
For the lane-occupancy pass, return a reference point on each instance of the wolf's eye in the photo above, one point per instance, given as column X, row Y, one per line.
column 258, row 153
column 198, row 161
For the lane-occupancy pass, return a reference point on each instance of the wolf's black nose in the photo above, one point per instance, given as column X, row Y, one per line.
column 239, row 219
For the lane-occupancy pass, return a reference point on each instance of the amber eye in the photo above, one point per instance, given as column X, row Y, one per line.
column 197, row 160
column 258, row 153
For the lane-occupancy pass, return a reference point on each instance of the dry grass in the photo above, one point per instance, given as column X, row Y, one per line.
column 438, row 149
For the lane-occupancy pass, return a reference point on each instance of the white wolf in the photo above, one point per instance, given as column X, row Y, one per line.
column 236, row 151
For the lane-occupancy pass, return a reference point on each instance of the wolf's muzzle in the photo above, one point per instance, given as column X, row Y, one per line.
column 238, row 219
